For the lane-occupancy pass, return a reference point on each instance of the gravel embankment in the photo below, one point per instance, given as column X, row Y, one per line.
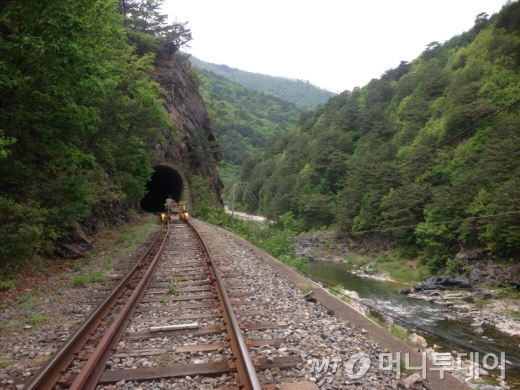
column 32, row 329
column 310, row 331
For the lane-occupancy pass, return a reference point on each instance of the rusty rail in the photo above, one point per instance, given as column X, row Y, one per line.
column 50, row 373
column 95, row 366
column 244, row 365
column 92, row 371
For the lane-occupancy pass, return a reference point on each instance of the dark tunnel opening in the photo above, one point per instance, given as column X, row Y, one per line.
column 165, row 181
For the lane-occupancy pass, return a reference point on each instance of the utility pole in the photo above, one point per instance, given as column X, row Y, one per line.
column 233, row 196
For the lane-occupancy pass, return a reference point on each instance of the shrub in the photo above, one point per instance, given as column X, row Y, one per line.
column 21, row 232
column 86, row 280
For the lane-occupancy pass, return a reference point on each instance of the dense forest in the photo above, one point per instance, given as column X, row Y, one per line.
column 244, row 118
column 77, row 109
column 300, row 92
column 415, row 160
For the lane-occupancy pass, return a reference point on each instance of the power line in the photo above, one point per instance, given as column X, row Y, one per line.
column 447, row 188
column 467, row 181
column 462, row 171
column 422, row 328
column 458, row 135
column 445, row 177
column 249, row 192
column 441, row 190
column 437, row 223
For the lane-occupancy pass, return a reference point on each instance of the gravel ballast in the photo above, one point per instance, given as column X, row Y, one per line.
column 310, row 331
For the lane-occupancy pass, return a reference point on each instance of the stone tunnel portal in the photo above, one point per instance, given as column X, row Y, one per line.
column 165, row 181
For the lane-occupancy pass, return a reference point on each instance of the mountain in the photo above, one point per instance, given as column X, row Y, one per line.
column 299, row 92
column 414, row 159
column 244, row 118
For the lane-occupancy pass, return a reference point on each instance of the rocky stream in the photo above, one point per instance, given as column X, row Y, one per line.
column 449, row 314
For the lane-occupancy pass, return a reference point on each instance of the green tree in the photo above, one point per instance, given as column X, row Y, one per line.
column 76, row 110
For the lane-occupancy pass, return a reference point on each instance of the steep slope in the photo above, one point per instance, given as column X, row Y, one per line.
column 83, row 125
column 400, row 162
column 299, row 92
column 196, row 151
column 244, row 118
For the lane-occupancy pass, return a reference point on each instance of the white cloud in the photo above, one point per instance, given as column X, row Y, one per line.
column 334, row 44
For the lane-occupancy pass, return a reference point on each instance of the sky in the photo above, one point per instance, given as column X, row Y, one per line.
column 334, row 44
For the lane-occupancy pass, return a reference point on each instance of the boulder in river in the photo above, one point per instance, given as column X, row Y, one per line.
column 417, row 341
column 375, row 311
column 479, row 330
column 442, row 283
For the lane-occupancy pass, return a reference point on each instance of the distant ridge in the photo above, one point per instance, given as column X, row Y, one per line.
column 299, row 92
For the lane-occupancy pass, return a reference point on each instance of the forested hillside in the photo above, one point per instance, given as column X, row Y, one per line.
column 299, row 92
column 244, row 118
column 414, row 159
column 78, row 111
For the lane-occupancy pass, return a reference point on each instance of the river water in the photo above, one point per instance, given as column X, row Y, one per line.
column 421, row 315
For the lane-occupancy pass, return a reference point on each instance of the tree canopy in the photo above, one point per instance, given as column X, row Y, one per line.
column 375, row 162
column 77, row 109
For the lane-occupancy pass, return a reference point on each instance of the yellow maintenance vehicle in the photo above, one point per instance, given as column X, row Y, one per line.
column 175, row 211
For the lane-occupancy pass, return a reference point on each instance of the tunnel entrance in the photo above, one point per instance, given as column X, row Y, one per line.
column 165, row 181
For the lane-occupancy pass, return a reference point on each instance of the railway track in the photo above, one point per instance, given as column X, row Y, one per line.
column 169, row 317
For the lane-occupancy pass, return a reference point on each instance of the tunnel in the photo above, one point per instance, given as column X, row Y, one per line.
column 165, row 182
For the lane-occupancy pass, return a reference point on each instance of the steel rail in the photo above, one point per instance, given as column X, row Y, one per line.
column 244, row 365
column 50, row 373
column 91, row 372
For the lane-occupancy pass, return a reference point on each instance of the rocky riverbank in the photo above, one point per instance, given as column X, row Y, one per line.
column 483, row 305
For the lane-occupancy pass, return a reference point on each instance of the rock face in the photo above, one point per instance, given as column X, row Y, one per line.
column 442, row 283
column 364, row 306
column 481, row 270
column 190, row 148
column 195, row 151
column 320, row 246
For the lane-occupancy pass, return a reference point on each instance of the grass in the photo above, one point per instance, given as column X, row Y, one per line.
column 307, row 288
column 334, row 291
column 76, row 267
column 406, row 364
column 107, row 251
column 29, row 305
column 399, row 269
column 271, row 239
column 4, row 363
column 174, row 286
column 358, row 260
column 9, row 327
column 164, row 358
column 37, row 319
column 400, row 333
column 480, row 303
column 513, row 313
column 407, row 272
column 481, row 382
column 511, row 292
column 87, row 280
column 376, row 320
column 395, row 330
column 8, row 283
column 24, row 300
column 24, row 297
